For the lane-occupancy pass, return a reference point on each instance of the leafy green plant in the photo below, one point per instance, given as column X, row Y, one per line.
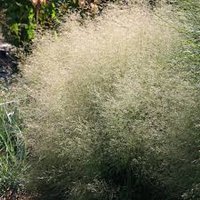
column 20, row 20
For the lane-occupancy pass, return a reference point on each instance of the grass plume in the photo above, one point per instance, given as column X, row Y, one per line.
column 109, row 115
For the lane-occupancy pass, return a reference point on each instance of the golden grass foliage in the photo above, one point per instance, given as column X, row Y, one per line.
column 120, row 39
column 105, row 93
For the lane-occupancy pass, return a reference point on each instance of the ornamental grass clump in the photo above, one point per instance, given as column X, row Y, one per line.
column 109, row 115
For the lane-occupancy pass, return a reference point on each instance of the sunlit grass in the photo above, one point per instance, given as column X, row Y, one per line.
column 110, row 116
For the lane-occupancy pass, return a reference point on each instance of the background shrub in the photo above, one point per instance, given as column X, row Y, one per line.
column 20, row 23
